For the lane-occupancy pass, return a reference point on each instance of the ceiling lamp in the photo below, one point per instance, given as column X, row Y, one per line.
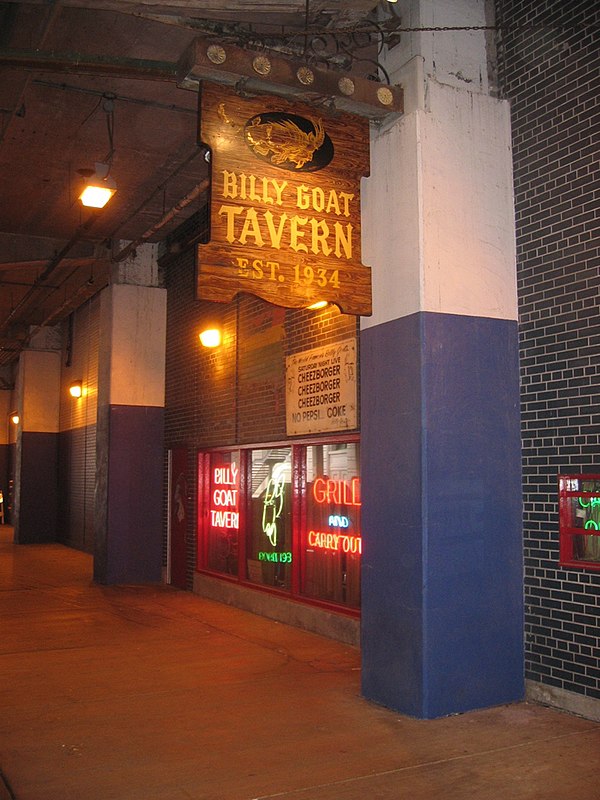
column 99, row 188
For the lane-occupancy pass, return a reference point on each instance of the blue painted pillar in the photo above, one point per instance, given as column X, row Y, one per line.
column 442, row 617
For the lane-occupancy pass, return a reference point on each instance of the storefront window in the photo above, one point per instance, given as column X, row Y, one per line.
column 580, row 520
column 285, row 518
column 331, row 540
column 269, row 542
column 223, row 521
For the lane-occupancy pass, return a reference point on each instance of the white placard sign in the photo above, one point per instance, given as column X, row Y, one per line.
column 321, row 389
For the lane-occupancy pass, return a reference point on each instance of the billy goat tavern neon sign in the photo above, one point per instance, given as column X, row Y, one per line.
column 224, row 513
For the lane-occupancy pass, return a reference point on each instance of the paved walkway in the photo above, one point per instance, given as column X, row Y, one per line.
column 148, row 693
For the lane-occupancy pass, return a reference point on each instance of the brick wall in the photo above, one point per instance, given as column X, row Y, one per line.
column 549, row 63
column 234, row 394
column 77, row 437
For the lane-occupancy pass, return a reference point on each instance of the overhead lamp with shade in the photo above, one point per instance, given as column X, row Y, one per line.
column 99, row 186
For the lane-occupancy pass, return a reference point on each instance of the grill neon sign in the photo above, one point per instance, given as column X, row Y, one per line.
column 345, row 493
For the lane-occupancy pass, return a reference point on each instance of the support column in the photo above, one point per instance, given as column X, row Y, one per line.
column 442, row 617
column 37, row 393
column 7, row 441
column 129, row 490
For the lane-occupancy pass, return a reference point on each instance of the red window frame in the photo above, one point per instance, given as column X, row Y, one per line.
column 567, row 532
column 299, row 449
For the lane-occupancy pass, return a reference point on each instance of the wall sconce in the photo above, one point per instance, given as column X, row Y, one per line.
column 210, row 336
column 76, row 389
column 15, row 418
column 99, row 188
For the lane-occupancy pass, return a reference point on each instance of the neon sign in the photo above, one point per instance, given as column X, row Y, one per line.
column 339, row 492
column 277, row 558
column 225, row 498
column 339, row 542
column 273, row 503
column 591, row 525
column 592, row 502
column 338, row 521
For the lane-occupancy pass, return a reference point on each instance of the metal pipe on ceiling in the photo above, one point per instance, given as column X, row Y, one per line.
column 153, row 229
column 49, row 269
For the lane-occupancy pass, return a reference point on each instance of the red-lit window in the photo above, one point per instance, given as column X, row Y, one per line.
column 331, row 540
column 285, row 518
column 579, row 508
column 221, row 511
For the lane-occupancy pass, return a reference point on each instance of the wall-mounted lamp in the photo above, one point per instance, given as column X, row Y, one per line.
column 210, row 336
column 76, row 389
column 99, row 187
column 319, row 304
column 14, row 418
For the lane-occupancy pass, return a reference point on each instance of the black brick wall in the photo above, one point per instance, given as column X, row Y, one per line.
column 234, row 394
column 549, row 63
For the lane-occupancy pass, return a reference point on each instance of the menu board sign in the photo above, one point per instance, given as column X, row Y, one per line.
column 321, row 389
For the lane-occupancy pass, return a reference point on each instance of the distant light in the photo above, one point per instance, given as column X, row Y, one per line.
column 14, row 418
column 211, row 337
column 319, row 304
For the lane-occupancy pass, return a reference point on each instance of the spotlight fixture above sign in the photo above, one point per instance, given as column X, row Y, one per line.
column 269, row 72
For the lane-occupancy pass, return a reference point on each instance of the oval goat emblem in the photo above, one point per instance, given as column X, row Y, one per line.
column 289, row 141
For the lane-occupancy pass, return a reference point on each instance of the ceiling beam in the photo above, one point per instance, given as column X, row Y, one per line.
column 268, row 72
column 85, row 64
column 217, row 7
column 18, row 250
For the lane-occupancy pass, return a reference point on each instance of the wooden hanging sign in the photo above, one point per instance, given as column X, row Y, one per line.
column 285, row 202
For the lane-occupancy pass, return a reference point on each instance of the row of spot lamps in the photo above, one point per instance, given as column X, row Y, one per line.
column 211, row 336
column 75, row 390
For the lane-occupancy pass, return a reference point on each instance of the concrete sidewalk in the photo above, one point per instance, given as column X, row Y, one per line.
column 148, row 693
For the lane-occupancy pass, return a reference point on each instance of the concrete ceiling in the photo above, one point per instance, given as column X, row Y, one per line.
column 70, row 69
